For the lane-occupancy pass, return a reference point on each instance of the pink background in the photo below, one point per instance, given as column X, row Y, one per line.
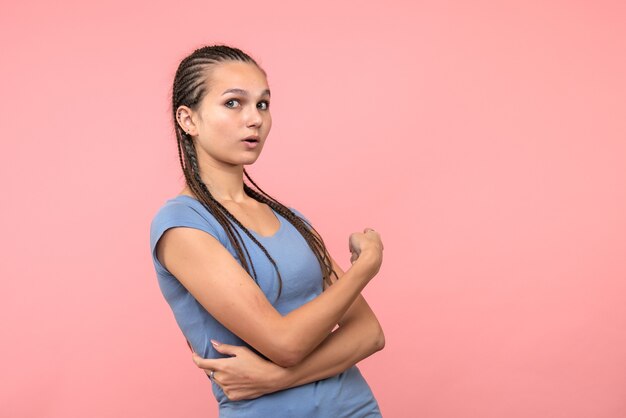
column 486, row 141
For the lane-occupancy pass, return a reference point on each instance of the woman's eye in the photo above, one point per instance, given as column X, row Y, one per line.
column 264, row 105
column 231, row 101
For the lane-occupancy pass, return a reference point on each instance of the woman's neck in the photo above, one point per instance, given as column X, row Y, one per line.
column 224, row 182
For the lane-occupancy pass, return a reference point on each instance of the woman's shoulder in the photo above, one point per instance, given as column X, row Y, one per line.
column 184, row 210
column 299, row 214
column 180, row 206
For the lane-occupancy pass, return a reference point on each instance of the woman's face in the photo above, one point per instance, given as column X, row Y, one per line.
column 236, row 107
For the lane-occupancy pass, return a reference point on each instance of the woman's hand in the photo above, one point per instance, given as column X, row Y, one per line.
column 367, row 241
column 245, row 375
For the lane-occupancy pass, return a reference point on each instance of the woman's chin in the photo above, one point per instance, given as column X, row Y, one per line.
column 246, row 161
column 251, row 159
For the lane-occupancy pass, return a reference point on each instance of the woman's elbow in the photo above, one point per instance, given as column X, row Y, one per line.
column 287, row 359
column 289, row 353
column 378, row 339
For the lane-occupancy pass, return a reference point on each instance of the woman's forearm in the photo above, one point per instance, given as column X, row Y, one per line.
column 342, row 349
column 245, row 375
column 310, row 324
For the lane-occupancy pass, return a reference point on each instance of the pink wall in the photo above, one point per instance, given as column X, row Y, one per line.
column 485, row 141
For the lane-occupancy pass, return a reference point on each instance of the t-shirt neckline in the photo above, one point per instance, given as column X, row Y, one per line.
column 256, row 234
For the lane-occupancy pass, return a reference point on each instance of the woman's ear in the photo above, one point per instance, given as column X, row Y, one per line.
column 185, row 120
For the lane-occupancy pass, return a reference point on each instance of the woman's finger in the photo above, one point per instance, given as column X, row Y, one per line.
column 207, row 363
column 231, row 350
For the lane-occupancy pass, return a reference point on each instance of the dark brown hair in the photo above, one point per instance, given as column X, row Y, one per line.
column 190, row 87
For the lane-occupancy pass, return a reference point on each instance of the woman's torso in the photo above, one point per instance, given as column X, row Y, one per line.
column 343, row 395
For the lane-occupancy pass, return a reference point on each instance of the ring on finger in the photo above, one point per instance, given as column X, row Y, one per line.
column 212, row 374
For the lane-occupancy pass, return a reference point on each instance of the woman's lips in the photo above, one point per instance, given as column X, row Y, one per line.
column 250, row 144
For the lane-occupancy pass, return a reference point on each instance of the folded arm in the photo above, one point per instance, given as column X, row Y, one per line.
column 359, row 337
column 200, row 262
column 247, row 376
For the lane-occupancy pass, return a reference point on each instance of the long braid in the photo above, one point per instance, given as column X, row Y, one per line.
column 204, row 190
column 297, row 222
column 189, row 88
column 222, row 213
column 315, row 242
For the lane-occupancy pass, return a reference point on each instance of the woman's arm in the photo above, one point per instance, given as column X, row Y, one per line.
column 219, row 283
column 359, row 337
column 247, row 376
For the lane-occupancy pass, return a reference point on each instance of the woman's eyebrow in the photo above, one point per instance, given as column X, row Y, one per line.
column 244, row 92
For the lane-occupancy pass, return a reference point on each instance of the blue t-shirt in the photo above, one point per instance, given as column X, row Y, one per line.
column 344, row 395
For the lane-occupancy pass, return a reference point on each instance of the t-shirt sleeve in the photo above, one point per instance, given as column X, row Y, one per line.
column 175, row 215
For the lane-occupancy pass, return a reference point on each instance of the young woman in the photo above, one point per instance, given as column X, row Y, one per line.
column 249, row 280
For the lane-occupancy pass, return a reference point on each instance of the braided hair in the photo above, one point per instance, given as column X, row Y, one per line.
column 189, row 89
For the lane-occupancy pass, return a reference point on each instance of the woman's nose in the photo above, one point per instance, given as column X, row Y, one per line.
column 254, row 117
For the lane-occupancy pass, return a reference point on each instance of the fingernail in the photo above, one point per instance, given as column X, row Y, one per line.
column 215, row 343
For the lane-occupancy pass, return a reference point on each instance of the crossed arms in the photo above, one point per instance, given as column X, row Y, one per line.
column 302, row 346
